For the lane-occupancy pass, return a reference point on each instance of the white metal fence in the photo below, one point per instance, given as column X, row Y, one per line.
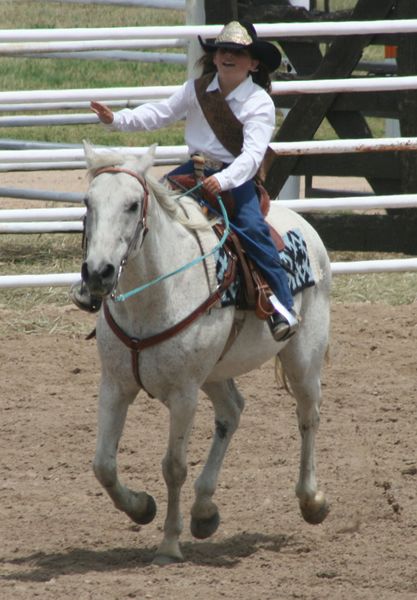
column 41, row 40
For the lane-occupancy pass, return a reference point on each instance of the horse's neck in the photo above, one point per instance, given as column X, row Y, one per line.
column 168, row 246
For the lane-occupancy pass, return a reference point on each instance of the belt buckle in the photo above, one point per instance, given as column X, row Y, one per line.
column 212, row 163
column 209, row 163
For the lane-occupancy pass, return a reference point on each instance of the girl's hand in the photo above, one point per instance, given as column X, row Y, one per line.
column 103, row 112
column 212, row 185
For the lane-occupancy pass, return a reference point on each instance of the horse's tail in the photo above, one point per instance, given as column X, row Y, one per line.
column 280, row 376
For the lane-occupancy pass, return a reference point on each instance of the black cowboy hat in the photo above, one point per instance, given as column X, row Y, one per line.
column 242, row 34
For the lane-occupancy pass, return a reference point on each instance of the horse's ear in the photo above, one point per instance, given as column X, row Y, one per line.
column 89, row 154
column 148, row 159
column 103, row 158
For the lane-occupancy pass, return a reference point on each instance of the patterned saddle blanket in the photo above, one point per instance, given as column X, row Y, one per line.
column 294, row 258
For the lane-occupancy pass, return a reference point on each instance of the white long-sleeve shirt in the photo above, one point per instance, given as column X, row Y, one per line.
column 250, row 103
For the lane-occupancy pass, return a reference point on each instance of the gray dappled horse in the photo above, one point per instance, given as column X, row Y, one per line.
column 206, row 354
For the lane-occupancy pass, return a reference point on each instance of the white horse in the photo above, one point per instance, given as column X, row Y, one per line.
column 206, row 353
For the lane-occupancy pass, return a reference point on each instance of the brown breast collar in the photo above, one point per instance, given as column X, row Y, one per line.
column 134, row 344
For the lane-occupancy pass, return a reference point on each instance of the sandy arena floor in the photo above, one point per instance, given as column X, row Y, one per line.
column 62, row 539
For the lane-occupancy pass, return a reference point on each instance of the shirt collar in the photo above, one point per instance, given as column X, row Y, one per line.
column 240, row 93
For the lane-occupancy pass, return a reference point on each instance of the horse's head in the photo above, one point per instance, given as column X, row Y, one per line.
column 116, row 212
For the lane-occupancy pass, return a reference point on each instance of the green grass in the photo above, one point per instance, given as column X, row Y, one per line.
column 387, row 288
column 48, row 74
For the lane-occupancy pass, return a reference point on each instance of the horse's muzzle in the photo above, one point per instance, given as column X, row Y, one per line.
column 99, row 281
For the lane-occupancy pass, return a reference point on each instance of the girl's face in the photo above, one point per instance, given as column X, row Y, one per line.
column 234, row 65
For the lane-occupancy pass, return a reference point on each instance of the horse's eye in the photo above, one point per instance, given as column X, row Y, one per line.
column 134, row 207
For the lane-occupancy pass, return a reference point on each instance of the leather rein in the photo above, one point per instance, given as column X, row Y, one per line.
column 135, row 344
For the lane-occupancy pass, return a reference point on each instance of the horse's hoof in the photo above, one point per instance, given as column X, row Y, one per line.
column 145, row 516
column 163, row 560
column 204, row 528
column 314, row 511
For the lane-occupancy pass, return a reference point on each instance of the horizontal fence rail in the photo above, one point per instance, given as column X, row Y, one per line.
column 14, row 49
column 41, row 214
column 400, row 265
column 305, row 206
column 119, row 55
column 43, row 195
column 42, row 280
column 134, row 94
column 42, row 227
column 28, row 107
column 338, row 268
column 64, row 165
column 85, row 95
column 34, row 160
column 190, row 32
column 42, row 166
column 180, row 153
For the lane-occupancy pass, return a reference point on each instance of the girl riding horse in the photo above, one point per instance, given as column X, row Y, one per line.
column 236, row 67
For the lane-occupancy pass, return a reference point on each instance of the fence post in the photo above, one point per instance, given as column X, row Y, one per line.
column 291, row 188
column 392, row 126
column 195, row 15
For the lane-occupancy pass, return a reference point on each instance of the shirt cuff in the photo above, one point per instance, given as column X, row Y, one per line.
column 114, row 125
column 222, row 180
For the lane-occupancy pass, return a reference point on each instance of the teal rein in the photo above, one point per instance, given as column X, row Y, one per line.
column 196, row 261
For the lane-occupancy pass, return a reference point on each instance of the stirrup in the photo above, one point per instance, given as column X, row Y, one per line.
column 280, row 328
column 83, row 300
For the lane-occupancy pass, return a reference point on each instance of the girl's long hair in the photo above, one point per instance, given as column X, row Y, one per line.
column 260, row 76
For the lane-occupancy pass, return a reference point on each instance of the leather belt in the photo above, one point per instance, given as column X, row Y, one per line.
column 211, row 163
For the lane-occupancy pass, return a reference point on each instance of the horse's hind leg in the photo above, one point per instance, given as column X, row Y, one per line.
column 113, row 406
column 303, row 374
column 228, row 405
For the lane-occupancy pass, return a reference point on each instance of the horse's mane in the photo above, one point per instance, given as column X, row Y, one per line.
column 179, row 207
column 182, row 208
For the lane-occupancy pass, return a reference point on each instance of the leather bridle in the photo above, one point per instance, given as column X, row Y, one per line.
column 141, row 227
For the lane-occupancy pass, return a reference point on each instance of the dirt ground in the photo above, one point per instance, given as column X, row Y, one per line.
column 62, row 539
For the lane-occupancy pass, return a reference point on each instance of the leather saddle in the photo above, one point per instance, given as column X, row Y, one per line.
column 186, row 182
column 253, row 291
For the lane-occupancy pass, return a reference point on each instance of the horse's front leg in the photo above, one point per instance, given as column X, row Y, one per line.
column 113, row 406
column 228, row 405
column 182, row 409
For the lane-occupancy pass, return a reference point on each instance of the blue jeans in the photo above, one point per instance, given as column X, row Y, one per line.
column 257, row 240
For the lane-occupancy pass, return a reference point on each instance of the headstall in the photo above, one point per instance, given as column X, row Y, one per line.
column 141, row 227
